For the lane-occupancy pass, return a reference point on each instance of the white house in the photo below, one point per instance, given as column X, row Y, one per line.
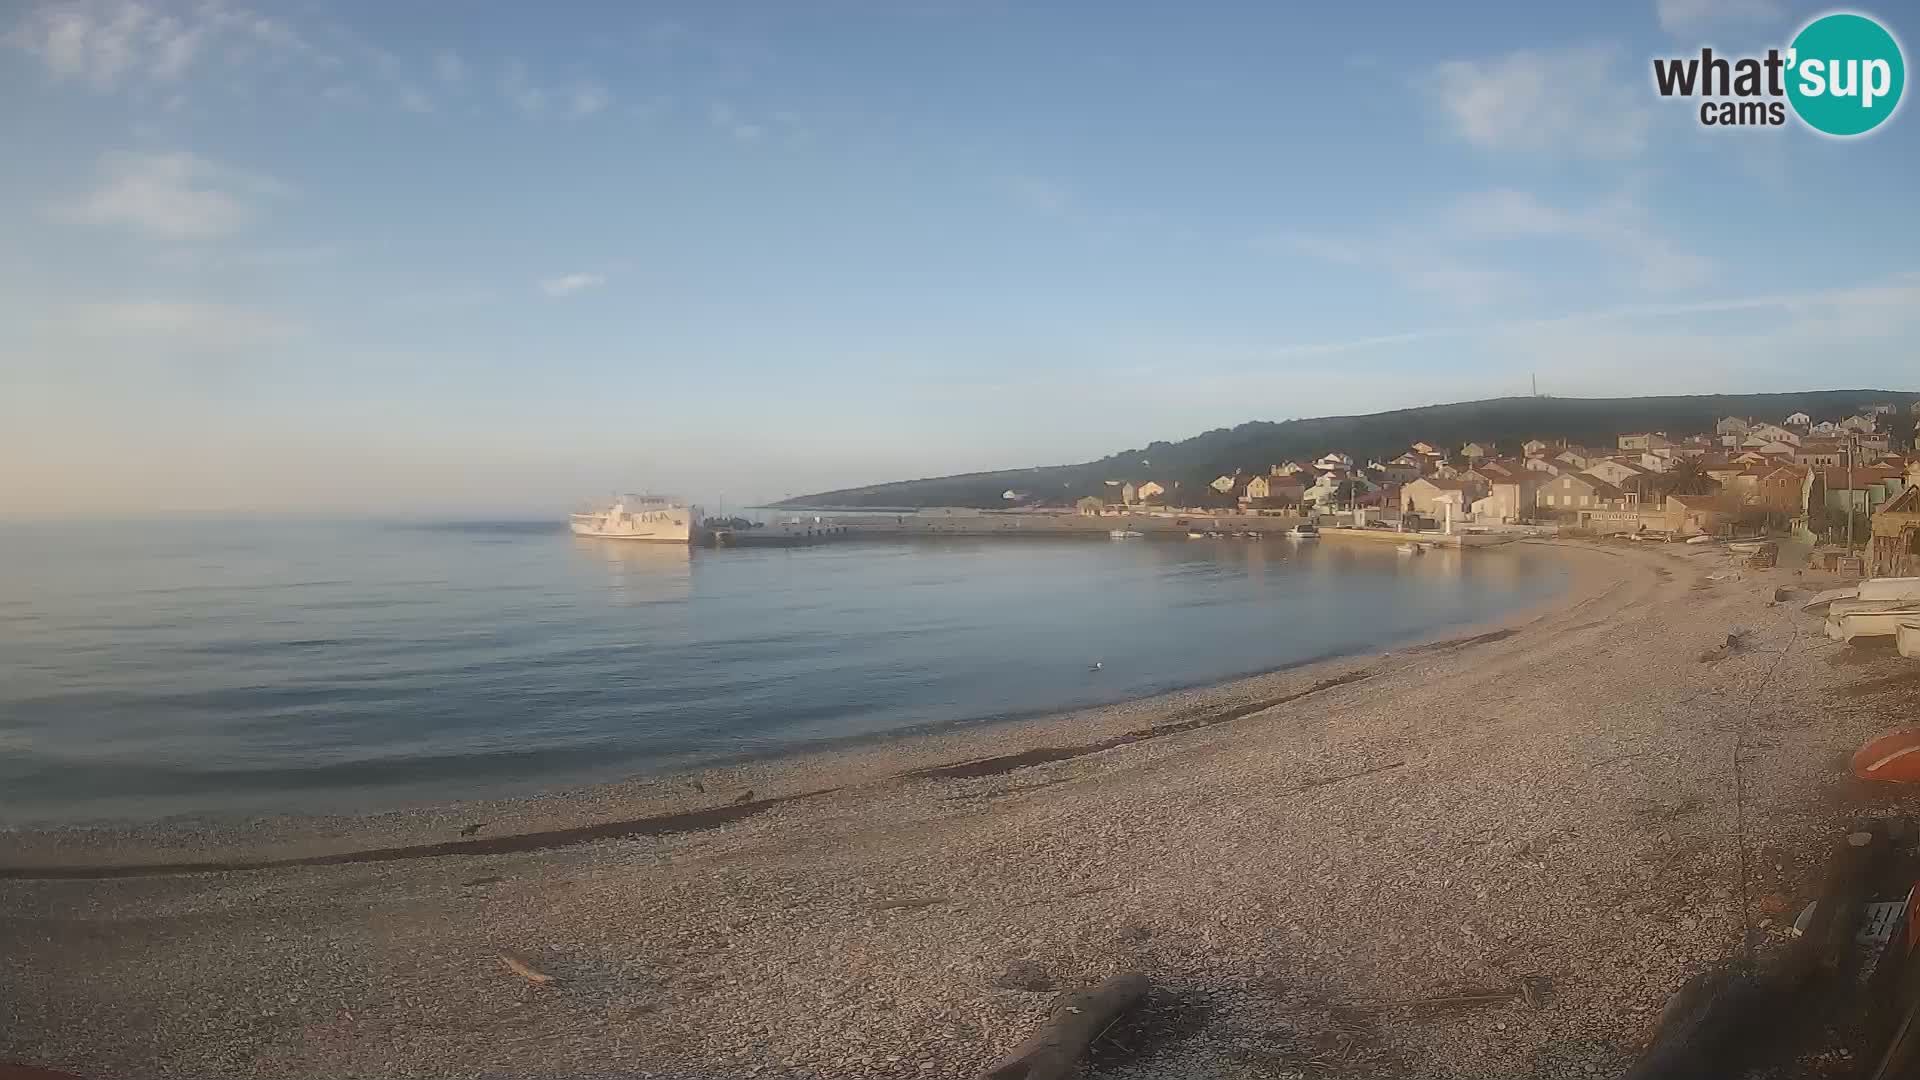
column 1334, row 460
column 1800, row 419
column 1398, row 471
column 1149, row 490
column 1617, row 470
column 1533, row 448
column 1770, row 433
column 1734, row 425
column 1430, row 495
column 1225, row 482
column 1326, row 490
column 1473, row 451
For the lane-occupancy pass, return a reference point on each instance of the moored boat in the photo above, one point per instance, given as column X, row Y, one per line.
column 1306, row 530
column 660, row 519
column 1124, row 534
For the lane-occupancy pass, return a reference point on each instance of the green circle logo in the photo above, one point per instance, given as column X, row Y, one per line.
column 1845, row 74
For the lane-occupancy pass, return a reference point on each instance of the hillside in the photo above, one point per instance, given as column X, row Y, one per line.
column 1255, row 446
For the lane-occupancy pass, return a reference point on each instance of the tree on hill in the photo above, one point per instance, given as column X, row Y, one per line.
column 1258, row 445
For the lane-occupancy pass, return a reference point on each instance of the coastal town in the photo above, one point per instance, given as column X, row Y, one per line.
column 1841, row 482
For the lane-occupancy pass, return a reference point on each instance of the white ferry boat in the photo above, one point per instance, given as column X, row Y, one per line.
column 657, row 518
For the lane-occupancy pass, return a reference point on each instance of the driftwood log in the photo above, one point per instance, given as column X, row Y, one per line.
column 1077, row 1019
column 1724, row 1022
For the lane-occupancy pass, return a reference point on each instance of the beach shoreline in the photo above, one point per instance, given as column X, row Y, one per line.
column 1537, row 815
column 771, row 777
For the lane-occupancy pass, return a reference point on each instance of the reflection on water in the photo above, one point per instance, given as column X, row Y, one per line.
column 641, row 573
column 248, row 667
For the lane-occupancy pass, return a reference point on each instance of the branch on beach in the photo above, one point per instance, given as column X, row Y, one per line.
column 524, row 968
column 1053, row 1052
column 1342, row 778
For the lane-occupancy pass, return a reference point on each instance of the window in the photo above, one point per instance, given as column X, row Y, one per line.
column 1584, row 500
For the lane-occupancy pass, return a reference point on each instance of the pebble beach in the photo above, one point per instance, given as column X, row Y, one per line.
column 1491, row 854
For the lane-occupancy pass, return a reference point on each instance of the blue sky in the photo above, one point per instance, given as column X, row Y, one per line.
column 367, row 256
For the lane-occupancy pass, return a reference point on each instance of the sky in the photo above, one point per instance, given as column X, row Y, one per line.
column 497, row 258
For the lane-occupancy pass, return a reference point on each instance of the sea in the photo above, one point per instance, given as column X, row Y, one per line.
column 246, row 668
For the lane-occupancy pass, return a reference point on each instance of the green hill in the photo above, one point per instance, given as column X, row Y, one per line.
column 1506, row 422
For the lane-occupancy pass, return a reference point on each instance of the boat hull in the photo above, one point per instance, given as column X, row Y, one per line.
column 1907, row 637
column 634, row 538
column 1890, row 588
column 1869, row 623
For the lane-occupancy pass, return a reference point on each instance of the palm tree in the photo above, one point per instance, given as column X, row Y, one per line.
column 1688, row 477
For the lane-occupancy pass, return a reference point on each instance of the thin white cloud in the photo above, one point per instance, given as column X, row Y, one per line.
column 1693, row 16
column 1424, row 265
column 1580, row 101
column 449, row 68
column 589, row 98
column 111, row 43
column 170, row 194
column 1617, row 227
column 519, row 90
column 204, row 259
column 1878, row 309
column 1040, row 194
column 415, row 100
column 168, row 326
column 726, row 118
column 568, row 284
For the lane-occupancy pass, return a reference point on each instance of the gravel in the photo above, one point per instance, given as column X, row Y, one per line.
column 1539, row 829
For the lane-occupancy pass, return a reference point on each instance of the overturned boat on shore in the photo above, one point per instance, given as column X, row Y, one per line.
column 1888, row 588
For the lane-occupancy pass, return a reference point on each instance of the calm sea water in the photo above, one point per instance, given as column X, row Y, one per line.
column 168, row 668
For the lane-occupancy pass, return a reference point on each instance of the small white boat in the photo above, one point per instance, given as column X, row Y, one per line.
column 1824, row 599
column 1860, row 606
column 1411, row 549
column 1747, row 547
column 1703, row 538
column 1306, row 530
column 1251, row 534
column 1907, row 637
column 1890, row 588
column 1870, row 623
column 1196, row 535
column 1124, row 534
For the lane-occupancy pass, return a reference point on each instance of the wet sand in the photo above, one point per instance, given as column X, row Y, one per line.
column 1534, row 817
